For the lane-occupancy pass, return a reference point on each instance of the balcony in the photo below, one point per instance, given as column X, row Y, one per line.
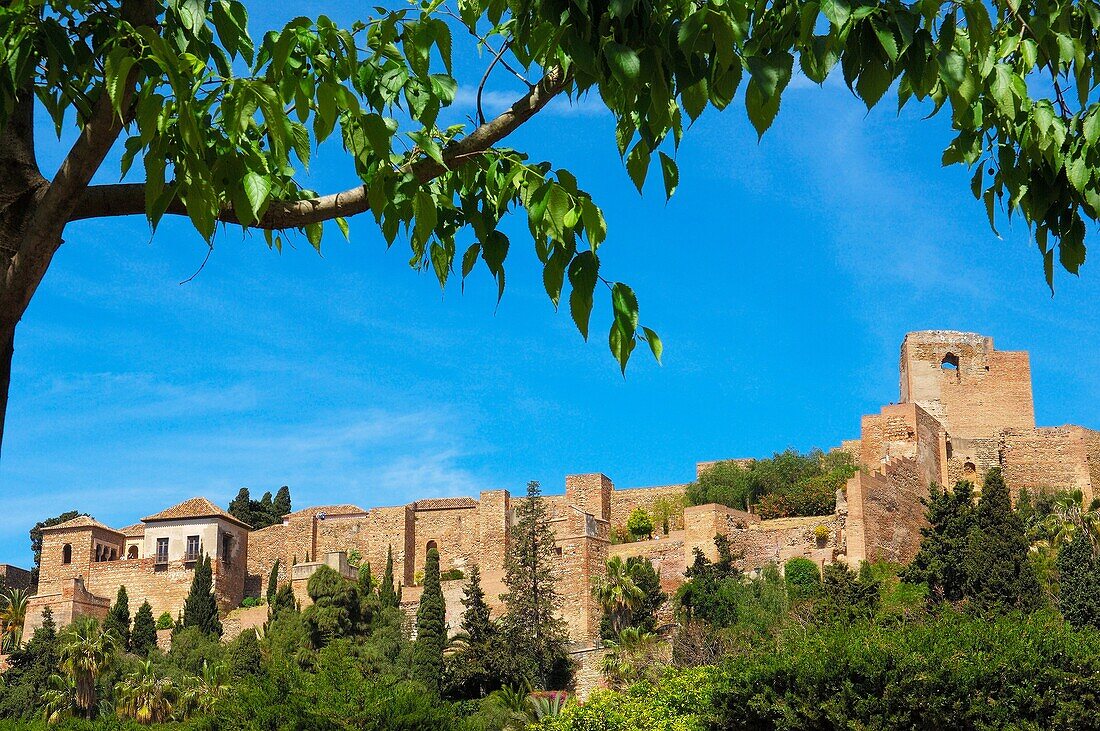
column 161, row 559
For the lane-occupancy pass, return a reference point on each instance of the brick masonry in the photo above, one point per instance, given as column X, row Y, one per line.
column 952, row 423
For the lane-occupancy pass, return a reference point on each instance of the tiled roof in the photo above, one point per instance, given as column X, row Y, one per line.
column 133, row 531
column 196, row 507
column 82, row 521
column 328, row 510
column 444, row 503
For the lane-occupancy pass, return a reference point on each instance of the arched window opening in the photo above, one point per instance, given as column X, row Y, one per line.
column 950, row 362
column 114, row 554
column 969, row 469
column 132, row 552
column 67, row 553
column 430, row 546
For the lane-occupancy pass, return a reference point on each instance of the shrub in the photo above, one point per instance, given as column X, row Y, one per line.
column 452, row 575
column 803, row 578
column 165, row 621
column 252, row 601
column 640, row 524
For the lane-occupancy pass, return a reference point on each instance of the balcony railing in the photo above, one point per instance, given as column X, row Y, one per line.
column 162, row 559
column 192, row 556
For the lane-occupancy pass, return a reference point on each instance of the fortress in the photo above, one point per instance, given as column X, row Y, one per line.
column 964, row 407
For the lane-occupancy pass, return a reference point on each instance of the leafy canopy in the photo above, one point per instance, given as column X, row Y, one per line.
column 222, row 121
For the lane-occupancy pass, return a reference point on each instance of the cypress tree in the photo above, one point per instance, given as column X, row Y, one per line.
column 284, row 601
column 244, row 654
column 386, row 592
column 281, row 505
column 366, row 583
column 537, row 633
column 200, row 609
column 240, row 506
column 940, row 562
column 143, row 638
column 266, row 511
column 431, row 627
column 999, row 575
column 476, row 622
column 1079, row 583
column 118, row 618
column 273, row 582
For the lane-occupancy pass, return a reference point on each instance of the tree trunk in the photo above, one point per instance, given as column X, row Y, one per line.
column 7, row 349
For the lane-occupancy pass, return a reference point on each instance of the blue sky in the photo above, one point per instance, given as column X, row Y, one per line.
column 782, row 277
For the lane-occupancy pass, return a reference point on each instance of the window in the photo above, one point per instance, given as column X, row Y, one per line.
column 969, row 470
column 430, row 546
column 192, row 553
column 227, row 548
column 67, row 553
column 132, row 552
column 162, row 550
column 557, row 551
column 114, row 554
column 950, row 362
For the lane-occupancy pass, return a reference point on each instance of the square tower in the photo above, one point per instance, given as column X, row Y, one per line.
column 967, row 385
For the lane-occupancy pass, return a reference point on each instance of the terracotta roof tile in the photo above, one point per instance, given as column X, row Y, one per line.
column 444, row 503
column 328, row 510
column 82, row 521
column 196, row 507
column 133, row 531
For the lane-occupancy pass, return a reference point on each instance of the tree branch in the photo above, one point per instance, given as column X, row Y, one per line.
column 126, row 199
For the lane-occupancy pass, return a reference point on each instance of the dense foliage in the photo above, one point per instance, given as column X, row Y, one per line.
column 200, row 608
column 260, row 513
column 787, row 484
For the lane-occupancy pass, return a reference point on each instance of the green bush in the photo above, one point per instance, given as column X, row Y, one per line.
column 803, row 578
column 954, row 671
column 165, row 621
column 639, row 524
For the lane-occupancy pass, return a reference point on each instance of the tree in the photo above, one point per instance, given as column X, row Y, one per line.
column 1079, row 583
column 431, row 627
column 802, row 577
column 240, row 507
column 118, row 618
column 13, row 617
column 85, row 651
column 224, row 142
column 281, row 505
column 847, row 596
column 284, row 602
column 618, row 596
column 336, row 608
column 940, row 562
column 366, row 582
column 203, row 693
column 999, row 575
column 143, row 637
column 244, row 654
column 273, row 582
column 537, row 633
column 36, row 531
column 200, row 609
column 483, row 663
column 30, row 668
column 386, row 593
column 145, row 696
column 640, row 524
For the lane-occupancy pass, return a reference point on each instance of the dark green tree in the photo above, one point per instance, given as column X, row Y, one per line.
column 366, row 581
column 802, row 578
column 1079, row 583
column 36, row 539
column 431, row 627
column 240, row 507
column 847, row 596
column 999, row 575
column 644, row 615
column 244, row 655
column 200, row 609
column 386, row 592
column 284, row 602
column 273, row 582
column 118, row 619
column 281, row 505
column 336, row 609
column 940, row 562
column 538, row 635
column 29, row 671
column 143, row 637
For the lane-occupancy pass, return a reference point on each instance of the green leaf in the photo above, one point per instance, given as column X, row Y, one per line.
column 623, row 60
column 469, row 259
column 655, row 344
column 873, row 83
column 553, row 274
column 761, row 110
column 1091, row 126
column 637, row 164
column 314, row 231
column 1000, row 86
column 621, row 345
column 426, row 216
column 256, row 189
column 116, row 75
column 671, row 174
column 1077, row 172
column 837, row 11
column 583, row 275
column 625, row 304
column 342, row 223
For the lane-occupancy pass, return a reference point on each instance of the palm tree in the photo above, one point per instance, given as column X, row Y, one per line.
column 1067, row 518
column 617, row 592
column 59, row 701
column 145, row 697
column 13, row 616
column 203, row 693
column 631, row 653
column 86, row 651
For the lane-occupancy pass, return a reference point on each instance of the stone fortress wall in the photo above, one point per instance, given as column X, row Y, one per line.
column 964, row 407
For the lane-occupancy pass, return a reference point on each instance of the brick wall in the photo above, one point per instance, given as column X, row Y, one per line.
column 591, row 493
column 70, row 600
column 885, row 513
column 666, row 554
column 971, row 459
column 989, row 391
column 624, row 502
column 1054, row 458
column 13, row 577
column 265, row 546
column 453, row 531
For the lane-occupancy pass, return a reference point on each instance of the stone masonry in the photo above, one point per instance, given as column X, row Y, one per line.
column 964, row 407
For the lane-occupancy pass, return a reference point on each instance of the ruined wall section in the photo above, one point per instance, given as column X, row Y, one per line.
column 971, row 459
column 988, row 390
column 904, row 431
column 1049, row 459
column 885, row 513
column 453, row 532
column 666, row 554
column 70, row 601
column 672, row 497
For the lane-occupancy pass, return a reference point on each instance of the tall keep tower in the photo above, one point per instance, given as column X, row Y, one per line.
column 972, row 389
